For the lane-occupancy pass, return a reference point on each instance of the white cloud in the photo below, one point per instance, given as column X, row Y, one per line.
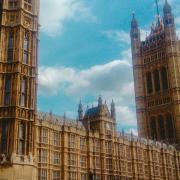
column 133, row 131
column 119, row 36
column 123, row 36
column 54, row 13
column 125, row 116
column 107, row 78
column 144, row 34
column 111, row 80
column 178, row 33
column 177, row 20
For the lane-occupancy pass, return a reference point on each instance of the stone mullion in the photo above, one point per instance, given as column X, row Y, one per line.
column 77, row 155
column 16, row 137
column 28, row 92
column 26, row 138
column 165, row 173
column 177, row 155
column 157, row 128
column 1, row 85
column 153, row 82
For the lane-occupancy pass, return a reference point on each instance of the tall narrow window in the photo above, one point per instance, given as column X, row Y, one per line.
column 44, row 136
column 24, row 92
column 7, row 97
column 164, row 78
column 83, row 146
column 72, row 143
column 156, row 80
column 43, row 155
column 169, row 126
column 4, row 137
column 56, row 139
column 153, row 128
column 43, row 174
column 28, row 1
column 83, row 161
column 26, row 48
column 13, row 3
column 10, row 47
column 56, row 158
column 22, row 130
column 149, row 83
column 161, row 127
column 56, row 175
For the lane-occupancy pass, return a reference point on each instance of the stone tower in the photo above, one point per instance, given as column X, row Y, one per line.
column 156, row 66
column 18, row 89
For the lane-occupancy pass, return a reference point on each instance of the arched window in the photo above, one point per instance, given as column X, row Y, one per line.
column 156, row 80
column 13, row 3
column 4, row 128
column 26, row 48
column 22, row 138
column 169, row 126
column 7, row 91
column 153, row 128
column 24, row 92
column 149, row 82
column 10, row 47
column 161, row 127
column 28, row 1
column 164, row 78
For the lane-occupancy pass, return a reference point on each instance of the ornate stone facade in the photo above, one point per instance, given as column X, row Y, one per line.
column 18, row 79
column 42, row 146
column 92, row 149
column 156, row 65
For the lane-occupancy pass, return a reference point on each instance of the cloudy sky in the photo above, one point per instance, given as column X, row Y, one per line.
column 85, row 52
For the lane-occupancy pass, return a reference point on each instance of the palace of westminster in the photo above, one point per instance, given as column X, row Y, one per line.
column 42, row 146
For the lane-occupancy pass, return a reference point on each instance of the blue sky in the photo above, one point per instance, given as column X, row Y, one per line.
column 85, row 52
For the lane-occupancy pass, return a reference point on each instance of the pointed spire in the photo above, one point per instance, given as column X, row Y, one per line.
column 158, row 15
column 134, row 23
column 168, row 16
column 100, row 101
column 113, row 110
column 167, row 8
column 135, row 32
column 80, row 110
column 157, row 8
column 64, row 116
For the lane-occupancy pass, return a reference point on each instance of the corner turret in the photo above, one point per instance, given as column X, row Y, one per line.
column 100, row 103
column 169, row 24
column 135, row 36
column 80, row 111
column 113, row 110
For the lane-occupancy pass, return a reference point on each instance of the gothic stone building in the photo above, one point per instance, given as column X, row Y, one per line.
column 156, row 65
column 42, row 146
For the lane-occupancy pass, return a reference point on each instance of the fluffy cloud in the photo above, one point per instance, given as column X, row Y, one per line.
column 54, row 13
column 112, row 80
column 119, row 36
column 106, row 78
column 123, row 36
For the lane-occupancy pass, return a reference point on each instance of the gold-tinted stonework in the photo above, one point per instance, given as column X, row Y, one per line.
column 68, row 150
column 156, row 65
column 18, row 79
column 42, row 146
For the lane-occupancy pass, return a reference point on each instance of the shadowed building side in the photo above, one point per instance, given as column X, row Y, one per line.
column 156, row 66
column 18, row 80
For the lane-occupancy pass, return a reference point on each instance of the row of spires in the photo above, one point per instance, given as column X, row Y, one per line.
column 168, row 19
column 100, row 104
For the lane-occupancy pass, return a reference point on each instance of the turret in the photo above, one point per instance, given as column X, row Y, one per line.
column 135, row 35
column 113, row 110
column 80, row 111
column 168, row 20
column 100, row 103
